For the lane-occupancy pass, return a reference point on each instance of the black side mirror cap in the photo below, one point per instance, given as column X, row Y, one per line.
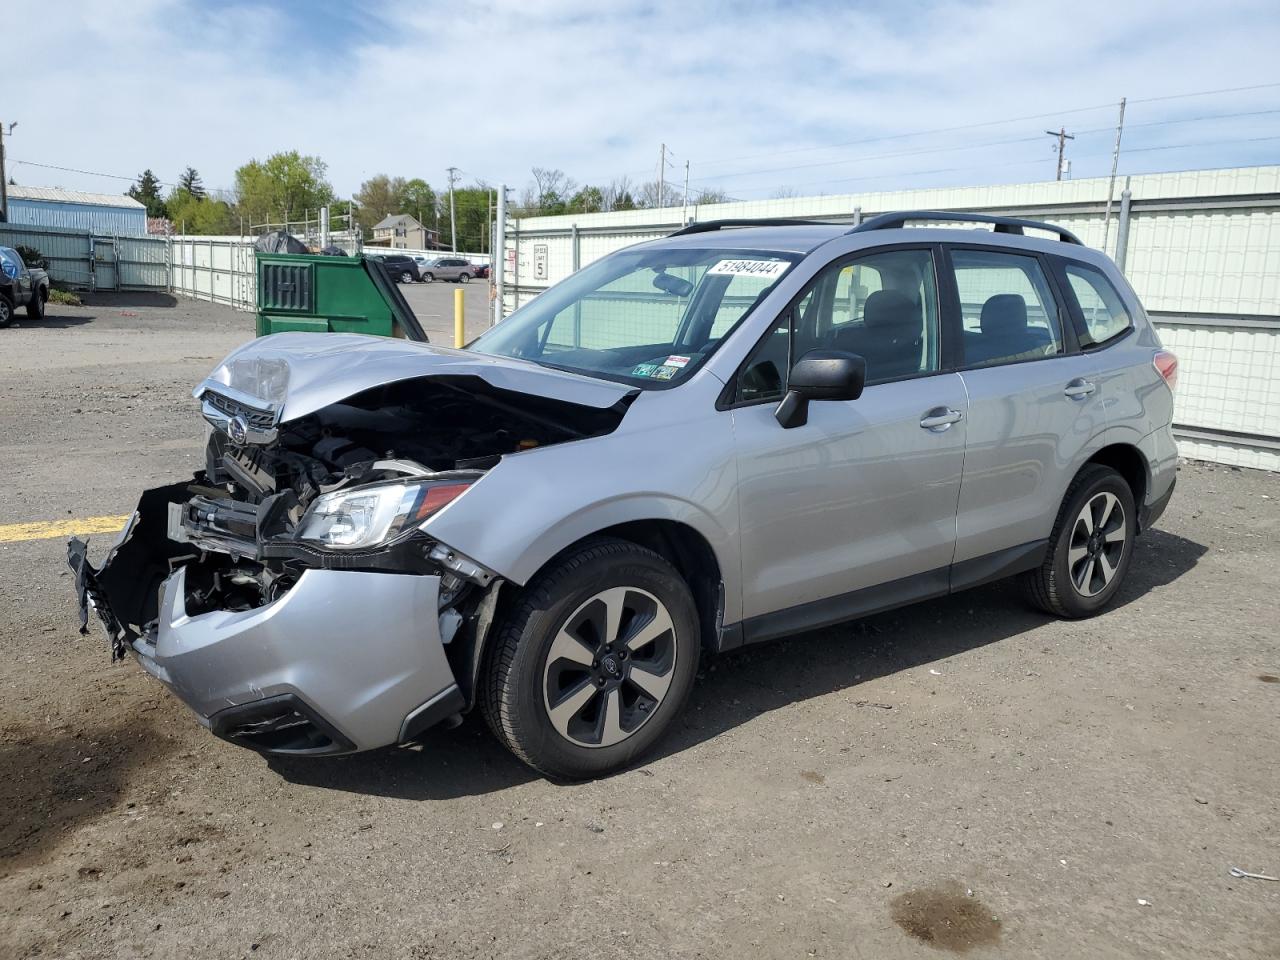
column 820, row 375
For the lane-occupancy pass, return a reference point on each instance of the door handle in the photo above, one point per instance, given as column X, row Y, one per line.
column 940, row 418
column 1079, row 388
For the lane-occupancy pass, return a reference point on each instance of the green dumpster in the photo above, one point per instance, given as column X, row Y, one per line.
column 322, row 294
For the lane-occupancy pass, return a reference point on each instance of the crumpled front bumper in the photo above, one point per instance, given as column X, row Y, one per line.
column 343, row 661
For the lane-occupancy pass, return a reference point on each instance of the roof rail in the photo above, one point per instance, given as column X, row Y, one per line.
column 892, row 221
column 709, row 226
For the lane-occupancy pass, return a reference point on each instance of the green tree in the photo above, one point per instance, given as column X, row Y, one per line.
column 190, row 182
column 472, row 205
column 418, row 199
column 147, row 191
column 378, row 198
column 285, row 186
column 587, row 200
column 201, row 214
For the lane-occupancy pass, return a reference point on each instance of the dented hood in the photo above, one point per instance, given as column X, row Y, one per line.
column 295, row 374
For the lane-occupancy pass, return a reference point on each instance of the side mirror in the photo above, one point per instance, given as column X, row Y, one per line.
column 820, row 375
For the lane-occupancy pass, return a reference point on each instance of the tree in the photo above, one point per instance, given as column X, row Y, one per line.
column 190, row 182
column 418, row 199
column 147, row 191
column 284, row 187
column 587, row 200
column 201, row 214
column 378, row 198
column 549, row 193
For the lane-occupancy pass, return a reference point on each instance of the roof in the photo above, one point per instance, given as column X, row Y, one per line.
column 783, row 239
column 396, row 220
column 58, row 195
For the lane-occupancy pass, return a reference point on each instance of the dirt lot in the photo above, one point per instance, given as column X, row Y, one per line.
column 962, row 775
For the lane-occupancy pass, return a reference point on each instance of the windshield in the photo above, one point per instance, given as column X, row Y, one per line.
column 648, row 317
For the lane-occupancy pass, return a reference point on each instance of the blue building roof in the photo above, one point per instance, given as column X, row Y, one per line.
column 102, row 213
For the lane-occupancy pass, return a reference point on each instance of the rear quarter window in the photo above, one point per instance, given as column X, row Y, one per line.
column 1102, row 309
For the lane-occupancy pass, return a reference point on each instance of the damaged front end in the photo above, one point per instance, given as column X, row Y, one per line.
column 287, row 592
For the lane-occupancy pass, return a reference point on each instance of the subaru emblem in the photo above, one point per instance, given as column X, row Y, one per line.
column 238, row 430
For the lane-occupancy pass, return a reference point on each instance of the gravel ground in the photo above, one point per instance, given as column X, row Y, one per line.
column 964, row 775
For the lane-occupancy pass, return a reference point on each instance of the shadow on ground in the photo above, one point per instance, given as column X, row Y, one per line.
column 52, row 321
column 54, row 782
column 746, row 683
column 129, row 298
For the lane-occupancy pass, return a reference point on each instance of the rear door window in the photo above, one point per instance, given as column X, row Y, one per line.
column 1008, row 308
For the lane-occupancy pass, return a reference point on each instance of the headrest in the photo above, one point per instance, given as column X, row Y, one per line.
column 890, row 308
column 1004, row 313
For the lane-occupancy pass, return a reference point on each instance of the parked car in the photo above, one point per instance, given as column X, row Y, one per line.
column 718, row 438
column 402, row 267
column 482, row 271
column 21, row 286
column 449, row 268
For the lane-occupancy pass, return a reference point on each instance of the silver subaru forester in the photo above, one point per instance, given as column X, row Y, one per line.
column 734, row 433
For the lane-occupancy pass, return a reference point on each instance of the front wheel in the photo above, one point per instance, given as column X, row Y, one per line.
column 594, row 662
column 427, row 278
column 6, row 311
column 1090, row 548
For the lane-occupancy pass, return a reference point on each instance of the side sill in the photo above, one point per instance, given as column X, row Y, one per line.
column 998, row 565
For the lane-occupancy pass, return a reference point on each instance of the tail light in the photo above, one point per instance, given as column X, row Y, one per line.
column 1166, row 365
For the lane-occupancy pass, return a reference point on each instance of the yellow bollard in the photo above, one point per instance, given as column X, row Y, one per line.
column 459, row 322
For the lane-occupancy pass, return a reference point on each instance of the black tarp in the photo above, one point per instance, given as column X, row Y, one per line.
column 280, row 242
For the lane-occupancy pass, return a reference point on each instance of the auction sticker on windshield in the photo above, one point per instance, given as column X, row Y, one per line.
column 770, row 269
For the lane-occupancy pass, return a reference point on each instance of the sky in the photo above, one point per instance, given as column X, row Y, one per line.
column 760, row 98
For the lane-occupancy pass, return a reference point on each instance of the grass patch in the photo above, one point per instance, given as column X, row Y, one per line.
column 65, row 297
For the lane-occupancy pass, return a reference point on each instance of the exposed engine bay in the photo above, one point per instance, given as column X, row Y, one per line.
column 346, row 487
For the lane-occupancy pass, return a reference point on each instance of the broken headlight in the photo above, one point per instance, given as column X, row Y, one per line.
column 373, row 515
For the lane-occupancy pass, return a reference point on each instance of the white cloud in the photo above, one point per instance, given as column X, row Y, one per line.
column 495, row 88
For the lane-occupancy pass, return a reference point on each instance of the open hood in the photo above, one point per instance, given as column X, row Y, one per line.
column 296, row 374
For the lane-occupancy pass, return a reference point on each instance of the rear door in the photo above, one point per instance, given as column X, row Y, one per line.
column 864, row 494
column 1034, row 405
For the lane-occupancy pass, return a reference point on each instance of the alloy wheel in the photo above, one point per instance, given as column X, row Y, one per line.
column 609, row 667
column 1097, row 544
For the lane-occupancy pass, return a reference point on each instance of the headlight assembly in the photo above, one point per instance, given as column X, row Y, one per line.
column 374, row 515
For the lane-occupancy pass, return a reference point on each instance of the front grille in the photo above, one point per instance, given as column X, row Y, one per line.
column 256, row 419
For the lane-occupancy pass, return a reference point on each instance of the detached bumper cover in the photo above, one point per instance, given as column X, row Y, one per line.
column 352, row 654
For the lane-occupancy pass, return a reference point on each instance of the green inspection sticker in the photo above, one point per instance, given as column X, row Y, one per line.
column 644, row 370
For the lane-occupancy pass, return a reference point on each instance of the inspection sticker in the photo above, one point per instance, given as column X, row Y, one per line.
column 676, row 361
column 644, row 370
column 768, row 269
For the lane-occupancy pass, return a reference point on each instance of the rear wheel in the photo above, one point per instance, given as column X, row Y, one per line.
column 1090, row 548
column 35, row 309
column 406, row 277
column 594, row 662
column 464, row 277
column 6, row 311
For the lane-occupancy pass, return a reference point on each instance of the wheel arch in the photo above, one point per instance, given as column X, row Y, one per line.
column 1129, row 461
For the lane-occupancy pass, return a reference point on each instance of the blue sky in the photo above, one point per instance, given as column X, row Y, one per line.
column 760, row 98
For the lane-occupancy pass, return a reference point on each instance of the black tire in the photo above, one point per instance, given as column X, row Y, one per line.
column 406, row 277
column 6, row 311
column 35, row 309
column 1054, row 586
column 464, row 277
column 428, row 277
column 516, row 680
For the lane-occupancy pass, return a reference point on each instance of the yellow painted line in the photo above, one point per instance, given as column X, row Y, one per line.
column 48, row 529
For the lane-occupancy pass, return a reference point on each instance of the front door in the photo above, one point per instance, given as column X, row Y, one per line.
column 1034, row 404
column 864, row 493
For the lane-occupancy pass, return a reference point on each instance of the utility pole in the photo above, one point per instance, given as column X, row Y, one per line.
column 662, row 172
column 684, row 214
column 453, row 223
column 4, row 177
column 1111, row 187
column 498, row 255
column 1063, row 137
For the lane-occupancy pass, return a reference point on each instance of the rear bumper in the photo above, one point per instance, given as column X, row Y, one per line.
column 1161, row 453
column 344, row 661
